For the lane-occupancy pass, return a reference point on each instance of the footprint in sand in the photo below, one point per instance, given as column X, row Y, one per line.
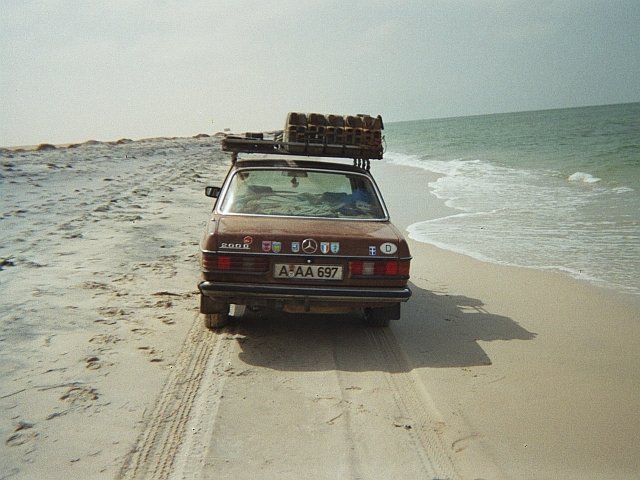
column 94, row 363
column 166, row 320
column 154, row 355
column 142, row 331
column 78, row 395
column 23, row 434
column 163, row 304
column 105, row 339
column 93, row 285
column 112, row 311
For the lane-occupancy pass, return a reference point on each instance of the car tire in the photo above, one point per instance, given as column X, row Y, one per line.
column 209, row 305
column 380, row 317
column 375, row 321
column 213, row 321
column 214, row 313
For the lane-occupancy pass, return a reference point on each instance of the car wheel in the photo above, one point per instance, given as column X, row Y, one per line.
column 215, row 320
column 380, row 317
column 209, row 305
column 374, row 319
column 214, row 313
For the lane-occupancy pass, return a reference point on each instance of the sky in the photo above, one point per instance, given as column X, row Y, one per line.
column 74, row 70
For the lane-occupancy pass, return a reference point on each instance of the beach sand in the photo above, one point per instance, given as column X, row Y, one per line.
column 534, row 370
column 98, row 288
column 107, row 372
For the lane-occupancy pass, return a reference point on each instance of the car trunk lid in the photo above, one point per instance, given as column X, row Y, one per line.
column 325, row 238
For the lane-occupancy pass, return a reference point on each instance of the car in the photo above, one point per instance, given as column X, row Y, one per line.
column 301, row 235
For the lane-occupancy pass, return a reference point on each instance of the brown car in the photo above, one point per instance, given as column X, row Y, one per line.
column 301, row 236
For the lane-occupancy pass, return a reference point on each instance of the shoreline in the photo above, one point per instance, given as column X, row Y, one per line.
column 536, row 371
column 399, row 184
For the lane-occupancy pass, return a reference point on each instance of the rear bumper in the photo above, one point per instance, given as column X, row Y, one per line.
column 236, row 292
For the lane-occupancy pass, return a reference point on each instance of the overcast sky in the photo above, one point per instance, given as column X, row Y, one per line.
column 72, row 71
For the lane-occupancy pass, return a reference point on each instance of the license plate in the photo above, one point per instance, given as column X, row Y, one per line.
column 307, row 272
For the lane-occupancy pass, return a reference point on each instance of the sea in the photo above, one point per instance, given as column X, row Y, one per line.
column 552, row 189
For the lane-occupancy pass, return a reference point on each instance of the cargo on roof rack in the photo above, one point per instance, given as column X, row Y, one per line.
column 354, row 136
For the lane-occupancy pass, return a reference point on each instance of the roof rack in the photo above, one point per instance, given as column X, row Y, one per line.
column 357, row 137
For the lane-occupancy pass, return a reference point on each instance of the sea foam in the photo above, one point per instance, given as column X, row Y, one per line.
column 529, row 217
column 583, row 177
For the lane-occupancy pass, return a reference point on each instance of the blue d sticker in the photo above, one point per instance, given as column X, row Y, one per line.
column 295, row 247
column 335, row 247
column 372, row 250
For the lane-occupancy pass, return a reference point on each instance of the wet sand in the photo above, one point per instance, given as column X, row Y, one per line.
column 534, row 372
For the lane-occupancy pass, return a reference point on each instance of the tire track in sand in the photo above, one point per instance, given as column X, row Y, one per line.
column 200, row 364
column 414, row 403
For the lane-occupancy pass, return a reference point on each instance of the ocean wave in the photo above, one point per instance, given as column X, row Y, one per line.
column 583, row 177
column 442, row 167
column 415, row 227
column 623, row 190
column 531, row 200
column 489, row 238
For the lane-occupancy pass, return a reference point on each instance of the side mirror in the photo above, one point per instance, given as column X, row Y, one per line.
column 213, row 192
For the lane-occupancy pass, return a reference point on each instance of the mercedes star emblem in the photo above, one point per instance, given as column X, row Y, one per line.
column 309, row 245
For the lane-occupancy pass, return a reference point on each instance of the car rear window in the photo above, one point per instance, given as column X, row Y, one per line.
column 302, row 193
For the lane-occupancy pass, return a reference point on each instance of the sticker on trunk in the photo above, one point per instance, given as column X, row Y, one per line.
column 388, row 248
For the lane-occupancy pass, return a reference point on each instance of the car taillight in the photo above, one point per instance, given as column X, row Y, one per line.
column 379, row 268
column 234, row 263
column 223, row 263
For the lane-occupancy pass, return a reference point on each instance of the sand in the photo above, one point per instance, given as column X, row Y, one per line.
column 98, row 293
column 535, row 372
column 107, row 372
